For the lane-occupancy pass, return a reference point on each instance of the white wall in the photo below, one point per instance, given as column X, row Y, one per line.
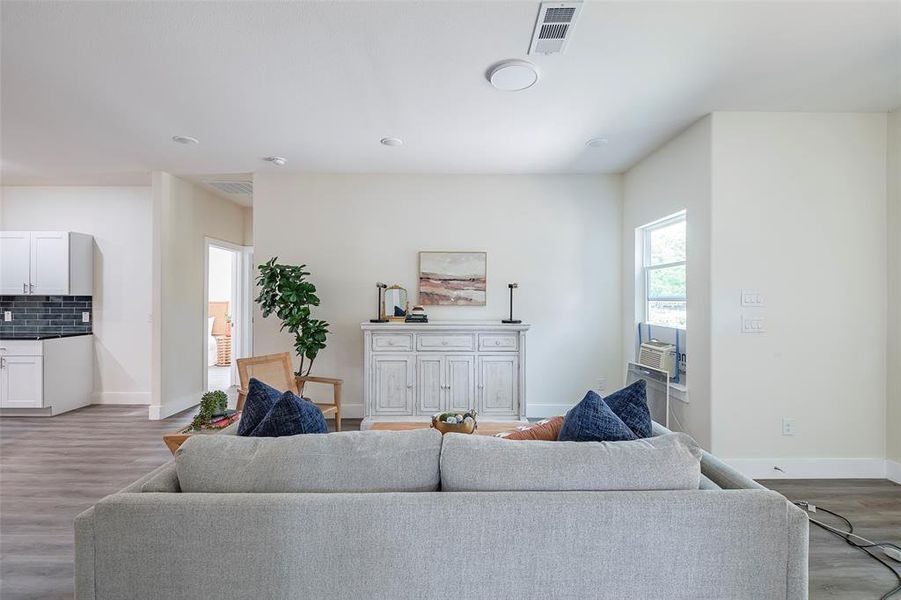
column 119, row 218
column 184, row 215
column 558, row 236
column 673, row 178
column 893, row 385
column 799, row 213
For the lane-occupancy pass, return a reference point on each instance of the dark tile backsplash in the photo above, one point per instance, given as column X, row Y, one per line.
column 45, row 314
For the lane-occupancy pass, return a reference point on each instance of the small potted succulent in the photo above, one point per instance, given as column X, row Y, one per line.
column 455, row 422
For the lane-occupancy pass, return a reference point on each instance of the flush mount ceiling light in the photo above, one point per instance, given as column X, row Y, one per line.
column 391, row 141
column 185, row 139
column 597, row 142
column 513, row 75
column 278, row 161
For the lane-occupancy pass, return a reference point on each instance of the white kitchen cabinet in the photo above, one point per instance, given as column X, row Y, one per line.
column 21, row 381
column 46, row 263
column 46, row 377
column 412, row 371
column 15, row 262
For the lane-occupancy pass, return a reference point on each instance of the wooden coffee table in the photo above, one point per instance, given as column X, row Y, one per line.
column 483, row 427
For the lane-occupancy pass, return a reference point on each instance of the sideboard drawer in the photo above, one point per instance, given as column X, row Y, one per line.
column 392, row 342
column 498, row 342
column 443, row 341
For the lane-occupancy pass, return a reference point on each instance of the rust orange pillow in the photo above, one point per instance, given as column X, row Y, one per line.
column 546, row 430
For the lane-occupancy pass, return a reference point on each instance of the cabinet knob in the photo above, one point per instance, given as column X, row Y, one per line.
column 481, row 386
column 444, row 342
column 409, row 385
column 497, row 342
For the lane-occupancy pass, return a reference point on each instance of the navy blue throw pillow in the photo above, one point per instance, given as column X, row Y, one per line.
column 631, row 405
column 291, row 415
column 591, row 420
column 259, row 401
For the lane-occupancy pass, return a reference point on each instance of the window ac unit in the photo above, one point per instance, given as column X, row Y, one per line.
column 658, row 355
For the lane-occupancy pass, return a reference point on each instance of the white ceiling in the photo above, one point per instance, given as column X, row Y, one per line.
column 93, row 92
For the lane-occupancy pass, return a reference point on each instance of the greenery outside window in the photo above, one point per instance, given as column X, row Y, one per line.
column 664, row 268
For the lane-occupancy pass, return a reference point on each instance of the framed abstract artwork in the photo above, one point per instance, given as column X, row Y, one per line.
column 452, row 278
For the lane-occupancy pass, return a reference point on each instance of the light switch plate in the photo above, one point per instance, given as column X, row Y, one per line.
column 789, row 426
column 752, row 324
column 85, row 317
column 7, row 315
column 752, row 298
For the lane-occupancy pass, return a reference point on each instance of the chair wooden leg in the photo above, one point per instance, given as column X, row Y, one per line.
column 337, row 407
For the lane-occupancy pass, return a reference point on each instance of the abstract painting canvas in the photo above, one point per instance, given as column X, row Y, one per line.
column 452, row 278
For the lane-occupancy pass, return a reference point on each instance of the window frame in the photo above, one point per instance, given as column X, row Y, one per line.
column 648, row 268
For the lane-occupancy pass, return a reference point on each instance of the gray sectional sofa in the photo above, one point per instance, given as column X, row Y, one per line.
column 360, row 515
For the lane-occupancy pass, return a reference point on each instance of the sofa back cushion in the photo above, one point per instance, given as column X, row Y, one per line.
column 354, row 461
column 472, row 463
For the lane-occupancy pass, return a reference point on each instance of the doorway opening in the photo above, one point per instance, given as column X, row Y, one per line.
column 228, row 326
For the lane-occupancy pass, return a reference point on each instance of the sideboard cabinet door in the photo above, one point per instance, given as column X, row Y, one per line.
column 460, row 382
column 429, row 384
column 498, row 385
column 393, row 383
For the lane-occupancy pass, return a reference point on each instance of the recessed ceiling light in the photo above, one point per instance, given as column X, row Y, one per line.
column 278, row 161
column 184, row 139
column 596, row 142
column 391, row 141
column 513, row 75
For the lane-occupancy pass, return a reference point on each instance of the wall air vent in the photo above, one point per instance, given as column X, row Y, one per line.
column 554, row 27
column 232, row 187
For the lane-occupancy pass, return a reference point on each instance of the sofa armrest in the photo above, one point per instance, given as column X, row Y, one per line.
column 84, row 556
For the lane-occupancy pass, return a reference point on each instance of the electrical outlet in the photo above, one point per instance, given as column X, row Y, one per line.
column 602, row 384
column 752, row 298
column 7, row 315
column 85, row 317
column 752, row 324
column 789, row 426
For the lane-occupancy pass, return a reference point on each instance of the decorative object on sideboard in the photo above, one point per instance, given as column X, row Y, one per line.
column 380, row 313
column 453, row 278
column 511, row 320
column 285, row 291
column 417, row 314
column 455, row 422
column 396, row 306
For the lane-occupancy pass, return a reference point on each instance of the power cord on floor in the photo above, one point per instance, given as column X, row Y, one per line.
column 893, row 551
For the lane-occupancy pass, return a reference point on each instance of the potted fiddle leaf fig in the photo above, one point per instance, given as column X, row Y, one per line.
column 286, row 292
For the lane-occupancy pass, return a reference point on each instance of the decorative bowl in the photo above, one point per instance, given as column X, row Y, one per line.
column 444, row 427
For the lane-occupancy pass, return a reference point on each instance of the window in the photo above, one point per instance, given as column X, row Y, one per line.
column 664, row 272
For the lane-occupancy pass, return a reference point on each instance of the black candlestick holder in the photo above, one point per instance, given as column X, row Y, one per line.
column 511, row 320
column 378, row 311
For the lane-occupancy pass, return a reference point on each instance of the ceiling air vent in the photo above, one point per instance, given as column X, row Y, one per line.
column 232, row 187
column 554, row 27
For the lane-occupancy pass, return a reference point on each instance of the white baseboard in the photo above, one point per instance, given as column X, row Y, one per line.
column 810, row 468
column 541, row 411
column 121, row 398
column 893, row 471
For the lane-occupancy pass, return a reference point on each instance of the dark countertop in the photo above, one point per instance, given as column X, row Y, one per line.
column 39, row 336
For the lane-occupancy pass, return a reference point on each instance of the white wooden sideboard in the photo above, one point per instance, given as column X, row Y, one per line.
column 412, row 371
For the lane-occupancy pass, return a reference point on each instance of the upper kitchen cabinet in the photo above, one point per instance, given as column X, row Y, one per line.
column 46, row 263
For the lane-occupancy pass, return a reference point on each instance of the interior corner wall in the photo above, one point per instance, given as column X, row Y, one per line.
column 799, row 213
column 893, row 359
column 119, row 218
column 557, row 236
column 675, row 177
column 184, row 215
